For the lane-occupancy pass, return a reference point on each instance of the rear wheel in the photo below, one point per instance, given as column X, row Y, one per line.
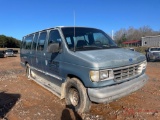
column 5, row 56
column 76, row 96
column 28, row 71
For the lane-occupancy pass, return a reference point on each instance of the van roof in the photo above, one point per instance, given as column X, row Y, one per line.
column 58, row 27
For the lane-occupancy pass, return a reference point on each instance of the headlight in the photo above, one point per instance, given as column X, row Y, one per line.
column 104, row 74
column 142, row 66
column 94, row 76
column 101, row 75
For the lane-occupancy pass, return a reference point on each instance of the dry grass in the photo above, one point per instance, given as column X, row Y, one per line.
column 10, row 48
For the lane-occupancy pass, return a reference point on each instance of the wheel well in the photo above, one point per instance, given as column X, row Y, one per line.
column 63, row 84
column 74, row 76
column 26, row 63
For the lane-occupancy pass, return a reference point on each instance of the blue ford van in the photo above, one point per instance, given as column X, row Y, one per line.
column 82, row 65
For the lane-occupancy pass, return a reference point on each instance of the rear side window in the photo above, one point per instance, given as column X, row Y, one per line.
column 41, row 41
column 28, row 42
column 23, row 43
column 35, row 41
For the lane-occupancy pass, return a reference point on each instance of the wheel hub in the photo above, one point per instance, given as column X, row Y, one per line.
column 74, row 97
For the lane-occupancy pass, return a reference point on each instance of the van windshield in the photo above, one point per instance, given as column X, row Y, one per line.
column 9, row 50
column 155, row 49
column 79, row 39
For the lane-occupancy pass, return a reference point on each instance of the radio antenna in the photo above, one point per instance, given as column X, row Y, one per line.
column 75, row 43
column 74, row 22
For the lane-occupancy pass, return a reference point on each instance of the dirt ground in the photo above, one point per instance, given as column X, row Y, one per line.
column 23, row 99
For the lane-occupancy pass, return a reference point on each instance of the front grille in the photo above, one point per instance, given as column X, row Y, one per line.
column 126, row 72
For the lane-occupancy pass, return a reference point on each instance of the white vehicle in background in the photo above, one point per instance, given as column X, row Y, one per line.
column 153, row 53
column 132, row 49
column 9, row 52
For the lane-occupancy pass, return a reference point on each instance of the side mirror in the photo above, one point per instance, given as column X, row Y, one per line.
column 53, row 48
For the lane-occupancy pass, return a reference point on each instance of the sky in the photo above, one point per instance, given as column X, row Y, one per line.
column 21, row 17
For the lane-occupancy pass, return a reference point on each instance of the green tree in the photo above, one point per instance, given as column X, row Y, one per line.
column 9, row 42
column 133, row 34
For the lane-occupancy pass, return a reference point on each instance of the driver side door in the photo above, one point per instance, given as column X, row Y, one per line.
column 53, row 60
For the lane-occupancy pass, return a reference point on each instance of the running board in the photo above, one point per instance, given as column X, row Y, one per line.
column 46, row 84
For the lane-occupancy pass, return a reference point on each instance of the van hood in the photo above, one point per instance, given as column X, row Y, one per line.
column 111, row 58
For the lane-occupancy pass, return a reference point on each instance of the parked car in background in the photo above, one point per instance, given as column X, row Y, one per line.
column 153, row 53
column 15, row 51
column 3, row 54
column 132, row 49
column 9, row 52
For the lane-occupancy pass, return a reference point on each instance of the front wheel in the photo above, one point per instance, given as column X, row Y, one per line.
column 76, row 96
column 148, row 58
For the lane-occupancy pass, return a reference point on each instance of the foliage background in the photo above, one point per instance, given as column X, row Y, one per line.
column 132, row 33
column 9, row 42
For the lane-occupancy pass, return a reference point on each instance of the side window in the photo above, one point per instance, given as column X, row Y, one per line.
column 23, row 44
column 35, row 41
column 28, row 41
column 54, row 37
column 41, row 41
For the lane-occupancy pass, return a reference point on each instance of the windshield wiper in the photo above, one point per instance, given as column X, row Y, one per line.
column 88, row 48
column 94, row 47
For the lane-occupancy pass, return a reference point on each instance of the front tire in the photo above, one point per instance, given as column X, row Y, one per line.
column 76, row 96
column 148, row 59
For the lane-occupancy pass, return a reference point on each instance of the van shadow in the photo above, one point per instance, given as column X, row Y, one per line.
column 7, row 101
column 70, row 114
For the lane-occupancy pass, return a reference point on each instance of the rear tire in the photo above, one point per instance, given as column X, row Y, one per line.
column 76, row 96
column 5, row 56
column 28, row 71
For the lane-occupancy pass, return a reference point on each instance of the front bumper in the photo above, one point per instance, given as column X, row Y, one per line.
column 10, row 55
column 156, row 58
column 110, row 93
